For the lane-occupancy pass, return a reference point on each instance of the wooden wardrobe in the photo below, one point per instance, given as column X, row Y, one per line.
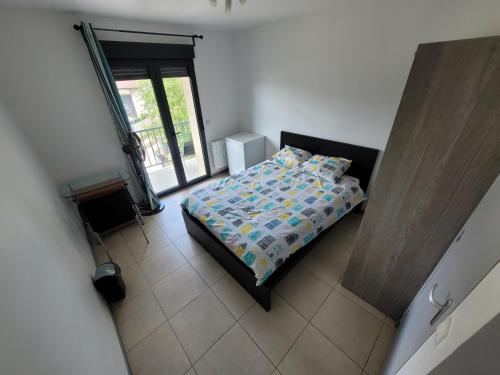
column 442, row 156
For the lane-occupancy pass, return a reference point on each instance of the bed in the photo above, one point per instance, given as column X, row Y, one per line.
column 259, row 223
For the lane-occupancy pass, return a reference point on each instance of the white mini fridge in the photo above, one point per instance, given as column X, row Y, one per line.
column 245, row 150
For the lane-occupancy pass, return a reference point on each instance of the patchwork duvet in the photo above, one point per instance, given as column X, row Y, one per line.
column 268, row 212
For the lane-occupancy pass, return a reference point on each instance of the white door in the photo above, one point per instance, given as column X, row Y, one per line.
column 471, row 256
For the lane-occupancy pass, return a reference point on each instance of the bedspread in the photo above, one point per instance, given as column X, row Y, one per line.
column 268, row 212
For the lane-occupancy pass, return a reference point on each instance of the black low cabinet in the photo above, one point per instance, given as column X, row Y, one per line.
column 109, row 211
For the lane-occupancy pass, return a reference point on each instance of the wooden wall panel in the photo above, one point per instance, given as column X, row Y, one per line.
column 443, row 154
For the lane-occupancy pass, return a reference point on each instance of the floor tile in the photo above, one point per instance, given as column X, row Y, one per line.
column 113, row 239
column 140, row 248
column 372, row 310
column 162, row 263
column 304, row 291
column 273, row 331
column 200, row 324
column 312, row 353
column 233, row 296
column 189, row 247
column 133, row 230
column 349, row 326
column 178, row 289
column 158, row 354
column 174, row 229
column 381, row 348
column 122, row 256
column 328, row 265
column 130, row 232
column 170, row 212
column 340, row 239
column 208, row 268
column 351, row 222
column 135, row 283
column 329, row 258
column 234, row 353
column 138, row 318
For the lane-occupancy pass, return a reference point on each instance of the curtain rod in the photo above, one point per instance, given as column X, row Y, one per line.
column 193, row 36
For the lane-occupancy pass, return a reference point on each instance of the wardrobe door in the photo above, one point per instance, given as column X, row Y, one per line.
column 442, row 156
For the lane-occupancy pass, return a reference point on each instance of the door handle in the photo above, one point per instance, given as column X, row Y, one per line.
column 441, row 306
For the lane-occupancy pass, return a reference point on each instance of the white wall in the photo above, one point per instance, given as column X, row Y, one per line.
column 340, row 73
column 52, row 321
column 49, row 85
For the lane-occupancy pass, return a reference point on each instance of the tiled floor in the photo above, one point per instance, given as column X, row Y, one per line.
column 184, row 314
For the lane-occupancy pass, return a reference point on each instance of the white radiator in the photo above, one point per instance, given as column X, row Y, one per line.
column 219, row 154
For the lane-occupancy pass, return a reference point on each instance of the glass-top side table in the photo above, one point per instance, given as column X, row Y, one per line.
column 103, row 201
column 84, row 186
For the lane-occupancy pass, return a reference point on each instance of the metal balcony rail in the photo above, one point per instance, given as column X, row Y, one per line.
column 156, row 144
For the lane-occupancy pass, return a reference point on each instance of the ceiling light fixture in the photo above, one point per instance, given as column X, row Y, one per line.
column 228, row 5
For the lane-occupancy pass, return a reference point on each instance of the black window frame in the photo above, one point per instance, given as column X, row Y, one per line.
column 144, row 61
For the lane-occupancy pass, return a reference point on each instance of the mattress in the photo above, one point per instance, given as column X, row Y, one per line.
column 267, row 212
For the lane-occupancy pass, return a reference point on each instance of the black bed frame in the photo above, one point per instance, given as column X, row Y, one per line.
column 363, row 161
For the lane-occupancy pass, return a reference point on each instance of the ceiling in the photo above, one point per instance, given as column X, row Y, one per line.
column 193, row 12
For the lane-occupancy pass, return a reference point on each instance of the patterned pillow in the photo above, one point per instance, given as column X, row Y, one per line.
column 326, row 166
column 291, row 157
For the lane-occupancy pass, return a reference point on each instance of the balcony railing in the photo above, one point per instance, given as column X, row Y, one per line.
column 156, row 144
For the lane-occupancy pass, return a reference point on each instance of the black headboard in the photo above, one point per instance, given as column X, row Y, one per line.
column 363, row 158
